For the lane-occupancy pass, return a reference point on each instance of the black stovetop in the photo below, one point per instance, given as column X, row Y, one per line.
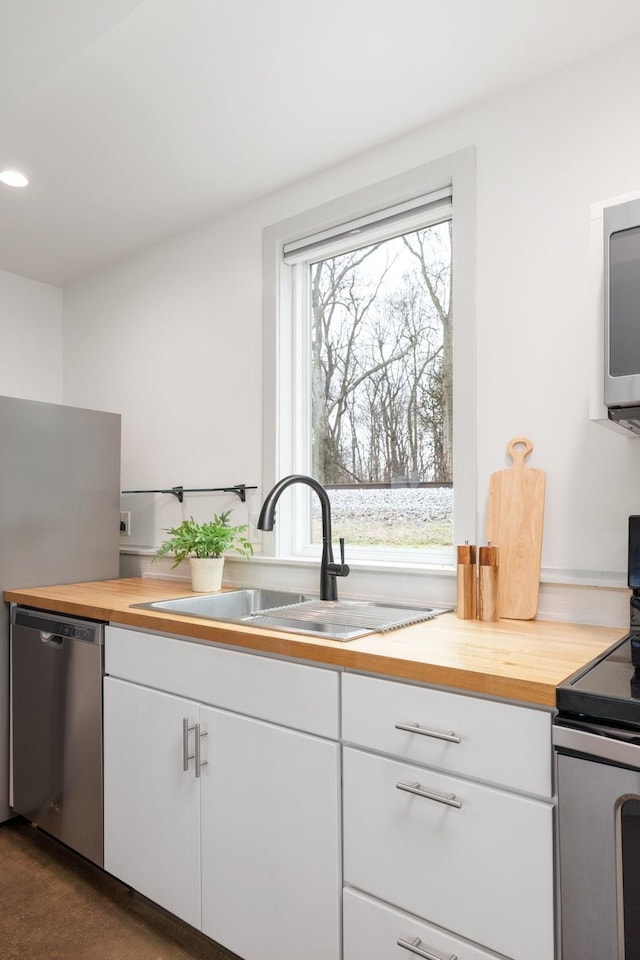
column 607, row 689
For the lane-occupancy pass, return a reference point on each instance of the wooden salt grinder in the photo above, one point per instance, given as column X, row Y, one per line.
column 466, row 582
column 488, row 583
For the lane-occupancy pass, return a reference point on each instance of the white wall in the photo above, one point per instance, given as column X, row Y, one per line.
column 172, row 337
column 31, row 337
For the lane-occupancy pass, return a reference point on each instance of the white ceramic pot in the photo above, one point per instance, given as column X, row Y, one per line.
column 206, row 574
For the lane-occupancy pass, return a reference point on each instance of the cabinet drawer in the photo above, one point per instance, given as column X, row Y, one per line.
column 372, row 930
column 482, row 867
column 495, row 742
column 290, row 694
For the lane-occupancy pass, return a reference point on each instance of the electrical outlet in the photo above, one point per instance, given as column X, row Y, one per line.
column 125, row 523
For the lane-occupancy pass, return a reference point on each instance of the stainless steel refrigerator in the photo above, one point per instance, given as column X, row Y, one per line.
column 59, row 512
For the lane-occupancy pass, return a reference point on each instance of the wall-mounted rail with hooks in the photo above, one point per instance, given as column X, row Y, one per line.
column 240, row 489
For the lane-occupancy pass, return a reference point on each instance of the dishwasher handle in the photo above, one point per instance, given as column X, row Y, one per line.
column 52, row 639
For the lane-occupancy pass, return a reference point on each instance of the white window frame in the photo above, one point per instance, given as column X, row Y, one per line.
column 285, row 444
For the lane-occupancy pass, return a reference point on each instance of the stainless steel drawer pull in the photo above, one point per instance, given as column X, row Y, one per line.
column 449, row 799
column 199, row 762
column 450, row 737
column 413, row 946
column 186, row 756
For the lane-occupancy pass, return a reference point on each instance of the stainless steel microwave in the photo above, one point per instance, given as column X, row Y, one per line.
column 622, row 313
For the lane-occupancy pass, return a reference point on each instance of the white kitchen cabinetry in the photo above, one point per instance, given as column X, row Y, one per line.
column 447, row 806
column 249, row 852
column 469, row 852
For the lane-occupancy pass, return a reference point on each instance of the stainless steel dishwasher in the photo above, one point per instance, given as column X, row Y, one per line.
column 57, row 666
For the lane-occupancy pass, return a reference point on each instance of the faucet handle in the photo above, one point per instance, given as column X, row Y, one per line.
column 339, row 569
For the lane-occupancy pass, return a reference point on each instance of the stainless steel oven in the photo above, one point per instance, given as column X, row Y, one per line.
column 597, row 745
column 598, row 772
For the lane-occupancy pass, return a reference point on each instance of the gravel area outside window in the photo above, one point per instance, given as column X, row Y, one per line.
column 394, row 516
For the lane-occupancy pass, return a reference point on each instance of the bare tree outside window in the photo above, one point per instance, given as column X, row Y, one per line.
column 382, row 388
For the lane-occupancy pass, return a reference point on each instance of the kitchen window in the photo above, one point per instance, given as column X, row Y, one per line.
column 363, row 354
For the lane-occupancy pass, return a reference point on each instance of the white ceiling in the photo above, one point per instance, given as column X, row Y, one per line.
column 136, row 120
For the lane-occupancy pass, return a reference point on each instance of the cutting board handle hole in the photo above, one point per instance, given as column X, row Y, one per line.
column 519, row 448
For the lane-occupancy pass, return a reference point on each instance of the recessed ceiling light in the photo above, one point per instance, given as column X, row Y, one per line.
column 13, row 178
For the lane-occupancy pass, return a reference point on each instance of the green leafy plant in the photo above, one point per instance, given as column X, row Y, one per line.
column 210, row 539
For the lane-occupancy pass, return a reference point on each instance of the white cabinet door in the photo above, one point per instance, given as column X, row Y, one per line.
column 152, row 806
column 271, row 877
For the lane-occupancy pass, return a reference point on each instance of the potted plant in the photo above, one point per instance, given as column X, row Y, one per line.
column 204, row 545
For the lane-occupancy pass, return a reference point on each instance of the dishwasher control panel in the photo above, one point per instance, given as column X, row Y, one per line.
column 54, row 626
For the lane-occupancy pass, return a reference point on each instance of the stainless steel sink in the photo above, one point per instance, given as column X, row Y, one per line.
column 296, row 613
column 231, row 605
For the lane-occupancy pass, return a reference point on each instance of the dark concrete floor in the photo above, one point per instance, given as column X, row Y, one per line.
column 54, row 905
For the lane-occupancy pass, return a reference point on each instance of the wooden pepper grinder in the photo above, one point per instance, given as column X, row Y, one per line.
column 466, row 582
column 488, row 583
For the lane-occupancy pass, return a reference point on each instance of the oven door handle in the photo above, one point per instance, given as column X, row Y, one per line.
column 597, row 746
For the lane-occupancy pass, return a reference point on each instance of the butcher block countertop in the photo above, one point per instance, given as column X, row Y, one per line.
column 514, row 659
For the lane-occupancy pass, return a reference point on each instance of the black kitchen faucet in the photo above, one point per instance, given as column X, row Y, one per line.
column 329, row 569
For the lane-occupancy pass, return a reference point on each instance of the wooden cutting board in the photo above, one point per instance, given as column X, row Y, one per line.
column 514, row 525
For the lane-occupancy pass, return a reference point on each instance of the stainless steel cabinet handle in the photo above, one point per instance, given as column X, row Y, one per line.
column 450, row 737
column 186, row 756
column 413, row 946
column 449, row 799
column 199, row 762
